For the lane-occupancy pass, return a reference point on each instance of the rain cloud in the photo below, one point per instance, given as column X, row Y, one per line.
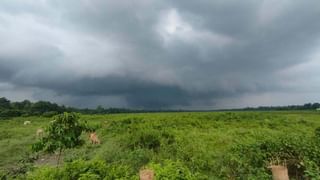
column 160, row 54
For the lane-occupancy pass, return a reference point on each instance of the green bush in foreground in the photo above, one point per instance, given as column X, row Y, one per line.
column 301, row 155
column 174, row 170
column 62, row 133
column 219, row 145
column 97, row 169
column 84, row 170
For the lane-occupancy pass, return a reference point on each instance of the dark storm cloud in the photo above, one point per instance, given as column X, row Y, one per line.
column 160, row 54
column 284, row 41
column 137, row 93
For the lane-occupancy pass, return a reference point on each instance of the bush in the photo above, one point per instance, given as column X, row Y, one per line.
column 10, row 113
column 148, row 138
column 317, row 133
column 63, row 132
column 174, row 170
column 80, row 169
column 3, row 175
column 301, row 154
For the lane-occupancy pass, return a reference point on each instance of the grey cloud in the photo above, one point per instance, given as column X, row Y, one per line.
column 158, row 54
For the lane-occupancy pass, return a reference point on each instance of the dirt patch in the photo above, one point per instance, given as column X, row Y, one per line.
column 48, row 159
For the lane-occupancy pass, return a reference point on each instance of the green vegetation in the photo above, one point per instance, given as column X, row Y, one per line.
column 186, row 145
column 62, row 133
column 26, row 108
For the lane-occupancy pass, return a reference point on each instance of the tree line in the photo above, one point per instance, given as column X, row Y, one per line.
column 307, row 106
column 48, row 109
column 28, row 108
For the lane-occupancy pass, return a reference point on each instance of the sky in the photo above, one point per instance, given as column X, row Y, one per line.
column 204, row 54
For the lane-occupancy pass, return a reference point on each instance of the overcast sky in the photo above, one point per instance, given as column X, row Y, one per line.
column 196, row 54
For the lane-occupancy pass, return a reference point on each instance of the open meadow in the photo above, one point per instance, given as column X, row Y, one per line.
column 186, row 145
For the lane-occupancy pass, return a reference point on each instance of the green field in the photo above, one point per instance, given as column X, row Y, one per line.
column 193, row 145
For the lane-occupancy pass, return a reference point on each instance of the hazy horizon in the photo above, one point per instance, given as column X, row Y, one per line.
column 160, row 54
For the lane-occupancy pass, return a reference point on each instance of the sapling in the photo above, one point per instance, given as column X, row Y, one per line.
column 63, row 132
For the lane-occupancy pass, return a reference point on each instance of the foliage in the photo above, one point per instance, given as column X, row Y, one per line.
column 207, row 145
column 7, row 113
column 307, row 106
column 48, row 109
column 62, row 133
column 299, row 153
column 317, row 133
column 84, row 170
column 146, row 137
column 174, row 170
column 27, row 108
column 4, row 103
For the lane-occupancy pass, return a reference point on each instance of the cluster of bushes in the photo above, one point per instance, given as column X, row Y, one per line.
column 136, row 147
column 163, row 145
column 169, row 169
column 159, row 144
column 146, row 139
column 83, row 170
column 301, row 154
column 98, row 169
column 148, row 146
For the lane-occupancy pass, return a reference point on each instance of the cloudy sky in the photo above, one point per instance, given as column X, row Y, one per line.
column 201, row 54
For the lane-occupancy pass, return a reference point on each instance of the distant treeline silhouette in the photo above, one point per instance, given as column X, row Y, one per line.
column 307, row 106
column 49, row 109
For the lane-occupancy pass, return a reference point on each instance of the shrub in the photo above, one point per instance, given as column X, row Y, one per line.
column 317, row 133
column 80, row 169
column 148, row 138
column 48, row 173
column 3, row 175
column 174, row 170
column 62, row 133
column 299, row 153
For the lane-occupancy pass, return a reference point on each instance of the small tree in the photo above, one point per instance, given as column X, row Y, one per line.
column 62, row 133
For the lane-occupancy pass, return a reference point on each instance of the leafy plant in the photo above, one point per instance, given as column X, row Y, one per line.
column 62, row 133
column 299, row 153
column 84, row 170
column 174, row 170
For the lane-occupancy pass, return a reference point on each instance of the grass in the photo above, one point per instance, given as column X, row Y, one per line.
column 197, row 139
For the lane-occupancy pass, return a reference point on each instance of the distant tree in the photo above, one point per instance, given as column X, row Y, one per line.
column 26, row 104
column 41, row 107
column 17, row 105
column 307, row 106
column 62, row 133
column 100, row 109
column 7, row 113
column 4, row 103
column 315, row 105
